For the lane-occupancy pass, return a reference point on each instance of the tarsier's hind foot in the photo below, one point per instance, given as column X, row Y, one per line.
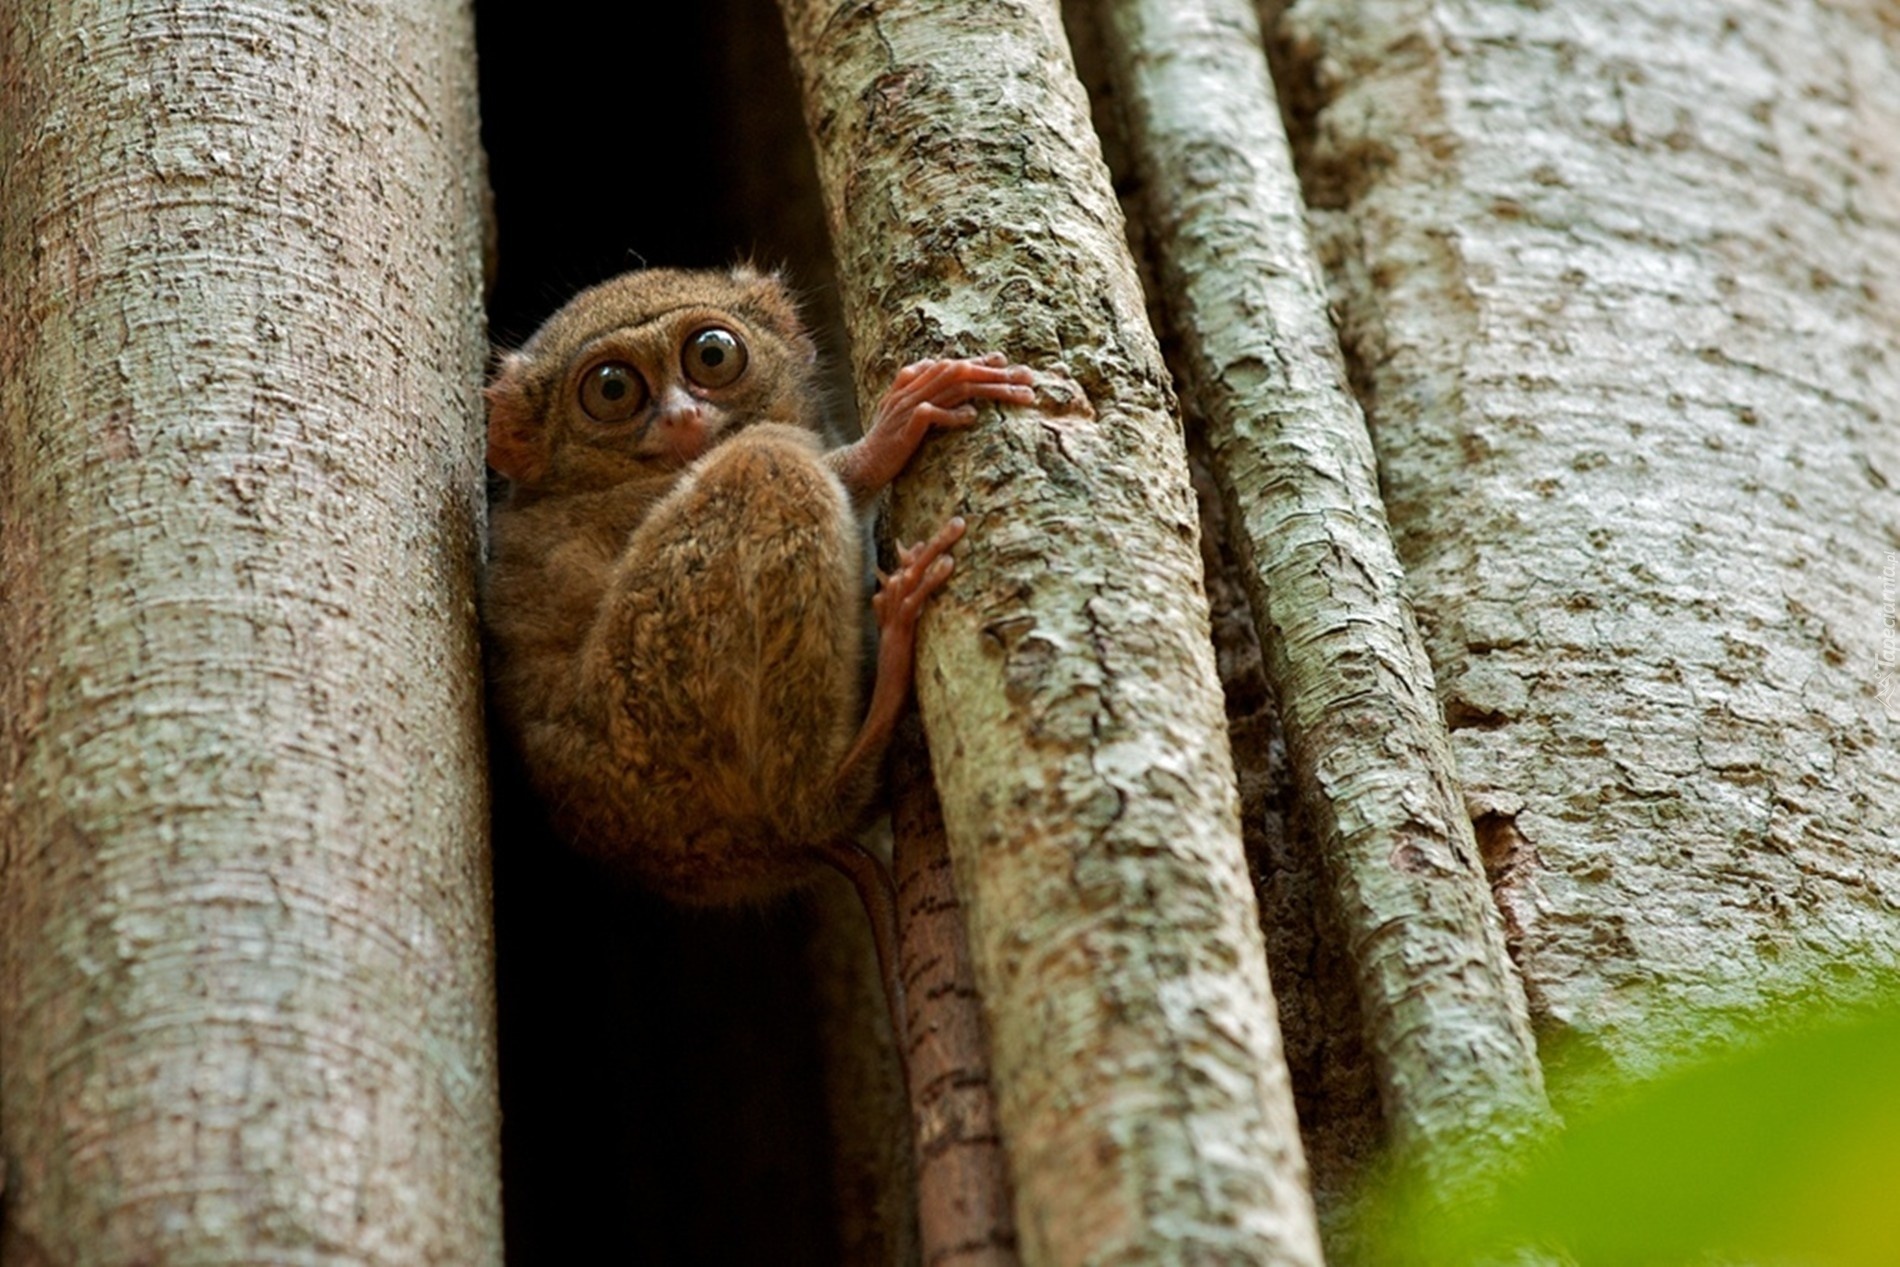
column 922, row 569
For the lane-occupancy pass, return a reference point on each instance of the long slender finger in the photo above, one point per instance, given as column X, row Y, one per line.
column 996, row 385
column 983, row 372
column 916, row 564
column 945, row 537
column 962, row 393
column 932, row 416
column 924, row 375
column 934, row 579
column 989, row 364
column 938, row 382
column 925, row 554
column 910, row 603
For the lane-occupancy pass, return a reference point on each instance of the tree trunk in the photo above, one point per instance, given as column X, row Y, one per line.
column 1371, row 758
column 245, row 969
column 1066, row 678
column 1620, row 285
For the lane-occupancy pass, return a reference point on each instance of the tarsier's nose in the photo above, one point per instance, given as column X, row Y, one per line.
column 681, row 423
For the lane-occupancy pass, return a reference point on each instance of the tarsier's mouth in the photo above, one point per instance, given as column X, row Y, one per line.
column 682, row 437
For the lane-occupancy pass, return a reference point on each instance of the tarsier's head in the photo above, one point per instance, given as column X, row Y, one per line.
column 642, row 374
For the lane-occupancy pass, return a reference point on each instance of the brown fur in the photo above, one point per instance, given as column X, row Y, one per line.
column 676, row 642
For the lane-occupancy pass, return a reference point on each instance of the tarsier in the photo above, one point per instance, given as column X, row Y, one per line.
column 675, row 594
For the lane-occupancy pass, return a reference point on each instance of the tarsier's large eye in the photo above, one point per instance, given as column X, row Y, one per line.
column 613, row 392
column 713, row 357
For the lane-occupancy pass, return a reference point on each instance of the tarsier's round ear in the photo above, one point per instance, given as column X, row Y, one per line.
column 770, row 296
column 517, row 441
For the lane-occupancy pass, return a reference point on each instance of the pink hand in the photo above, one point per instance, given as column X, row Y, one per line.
column 924, row 396
column 922, row 570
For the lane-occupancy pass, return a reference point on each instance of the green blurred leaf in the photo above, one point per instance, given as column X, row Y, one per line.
column 1787, row 1152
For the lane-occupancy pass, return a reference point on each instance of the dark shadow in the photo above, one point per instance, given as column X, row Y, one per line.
column 661, row 1089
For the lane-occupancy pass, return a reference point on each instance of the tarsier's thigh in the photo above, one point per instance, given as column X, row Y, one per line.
column 738, row 639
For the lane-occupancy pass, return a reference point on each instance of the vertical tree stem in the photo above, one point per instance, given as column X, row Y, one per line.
column 1444, row 1009
column 245, row 967
column 1621, row 285
column 1065, row 677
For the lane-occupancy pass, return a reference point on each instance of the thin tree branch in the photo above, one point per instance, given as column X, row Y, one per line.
column 1372, row 761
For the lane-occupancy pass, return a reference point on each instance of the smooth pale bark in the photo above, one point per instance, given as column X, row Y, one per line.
column 1622, row 284
column 1443, row 1007
column 1065, row 676
column 245, row 965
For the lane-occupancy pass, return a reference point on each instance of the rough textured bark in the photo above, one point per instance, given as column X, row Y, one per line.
column 1342, row 1127
column 966, row 1211
column 1443, row 1006
column 1065, row 677
column 1621, row 284
column 1335, row 1086
column 245, row 983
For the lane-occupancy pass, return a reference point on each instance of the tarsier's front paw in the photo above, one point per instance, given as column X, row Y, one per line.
column 923, row 396
column 943, row 393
